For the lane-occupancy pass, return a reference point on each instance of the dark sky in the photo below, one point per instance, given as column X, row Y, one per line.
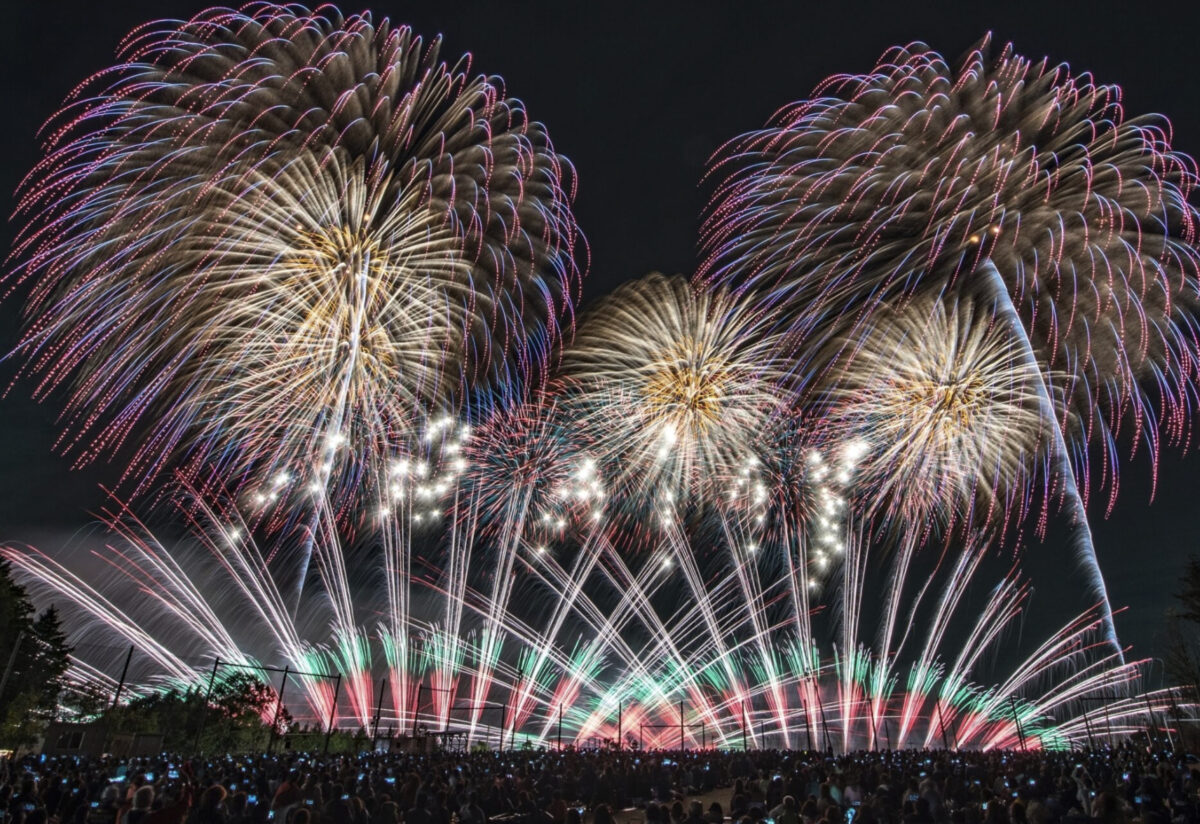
column 638, row 96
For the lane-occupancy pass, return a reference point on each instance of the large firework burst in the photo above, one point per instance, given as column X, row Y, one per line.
column 1013, row 181
column 672, row 383
column 946, row 401
column 915, row 175
column 269, row 230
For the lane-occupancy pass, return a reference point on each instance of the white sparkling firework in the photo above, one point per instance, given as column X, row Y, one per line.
column 948, row 407
column 673, row 385
column 270, row 234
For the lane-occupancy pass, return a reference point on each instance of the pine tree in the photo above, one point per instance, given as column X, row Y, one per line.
column 1189, row 595
column 50, row 660
column 35, row 655
column 1183, row 650
column 15, row 623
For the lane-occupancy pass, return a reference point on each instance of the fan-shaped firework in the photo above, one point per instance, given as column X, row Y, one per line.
column 270, row 229
column 945, row 399
column 1018, row 181
column 673, row 383
column 914, row 175
column 186, row 604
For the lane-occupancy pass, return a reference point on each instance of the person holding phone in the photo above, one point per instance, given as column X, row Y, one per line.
column 105, row 810
column 177, row 801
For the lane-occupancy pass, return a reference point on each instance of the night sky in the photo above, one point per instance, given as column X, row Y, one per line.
column 638, row 96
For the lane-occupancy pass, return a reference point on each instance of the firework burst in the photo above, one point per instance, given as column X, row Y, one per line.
column 528, row 458
column 916, row 175
column 674, row 385
column 945, row 399
column 270, row 228
column 1014, row 182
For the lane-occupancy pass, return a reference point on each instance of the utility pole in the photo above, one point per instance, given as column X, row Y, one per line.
column 1087, row 725
column 875, row 732
column 337, row 689
column 1012, row 702
column 417, row 709
column 681, row 729
column 1108, row 723
column 278, row 711
column 504, row 719
column 824, row 724
column 378, row 712
column 121, row 683
column 807, row 725
column 745, row 748
column 207, row 695
column 1151, row 733
column 560, row 727
column 620, row 732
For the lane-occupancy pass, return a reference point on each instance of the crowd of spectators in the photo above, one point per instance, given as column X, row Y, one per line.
column 608, row 787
